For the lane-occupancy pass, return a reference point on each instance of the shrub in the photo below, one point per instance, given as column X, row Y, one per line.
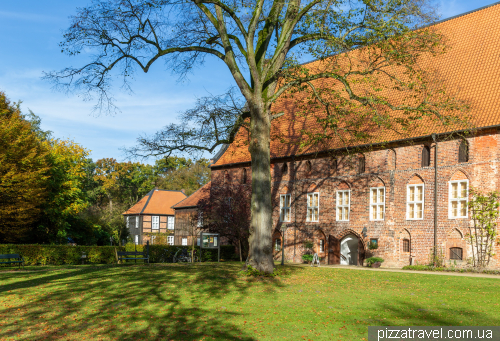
column 370, row 261
column 307, row 258
column 35, row 254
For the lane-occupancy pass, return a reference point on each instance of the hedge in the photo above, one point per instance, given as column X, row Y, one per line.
column 165, row 253
column 35, row 254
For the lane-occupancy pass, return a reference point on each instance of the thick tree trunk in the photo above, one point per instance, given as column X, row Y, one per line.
column 260, row 241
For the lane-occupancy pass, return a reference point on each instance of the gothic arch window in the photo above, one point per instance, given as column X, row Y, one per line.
column 308, row 166
column 361, row 164
column 463, row 152
column 426, row 156
column 244, row 176
column 284, row 169
column 334, row 164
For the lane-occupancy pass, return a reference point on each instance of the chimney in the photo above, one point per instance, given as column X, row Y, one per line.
column 183, row 191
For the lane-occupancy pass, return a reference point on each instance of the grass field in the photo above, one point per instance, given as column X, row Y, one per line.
column 211, row 302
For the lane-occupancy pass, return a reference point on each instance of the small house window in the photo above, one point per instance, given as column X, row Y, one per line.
column 426, row 156
column 284, row 169
column 170, row 240
column 456, row 253
column 374, row 243
column 170, row 222
column 137, row 222
column 361, row 164
column 312, row 207
column 415, row 202
column 155, row 222
column 136, row 240
column 343, row 204
column 459, row 197
column 277, row 244
column 321, row 245
column 244, row 176
column 463, row 152
column 334, row 164
column 406, row 245
column 377, row 203
column 285, row 207
column 128, row 222
column 184, row 241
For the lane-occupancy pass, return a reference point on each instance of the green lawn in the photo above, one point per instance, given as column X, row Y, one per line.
column 210, row 302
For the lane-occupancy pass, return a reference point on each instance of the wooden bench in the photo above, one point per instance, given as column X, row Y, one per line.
column 126, row 255
column 17, row 259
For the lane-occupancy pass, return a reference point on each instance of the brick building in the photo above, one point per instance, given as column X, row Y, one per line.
column 153, row 217
column 384, row 193
column 188, row 220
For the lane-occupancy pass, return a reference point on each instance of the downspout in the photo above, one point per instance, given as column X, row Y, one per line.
column 435, row 196
column 292, row 168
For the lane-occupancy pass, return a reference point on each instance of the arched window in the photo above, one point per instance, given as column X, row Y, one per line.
column 308, row 166
column 244, row 176
column 406, row 245
column 284, row 169
column 456, row 253
column 277, row 244
column 361, row 164
column 426, row 156
column 463, row 152
column 334, row 164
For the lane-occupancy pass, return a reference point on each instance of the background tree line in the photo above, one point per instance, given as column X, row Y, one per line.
column 51, row 192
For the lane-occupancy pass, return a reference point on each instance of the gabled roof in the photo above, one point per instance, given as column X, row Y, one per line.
column 194, row 199
column 471, row 68
column 158, row 201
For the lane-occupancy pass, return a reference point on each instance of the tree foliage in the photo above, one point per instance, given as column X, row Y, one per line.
column 24, row 170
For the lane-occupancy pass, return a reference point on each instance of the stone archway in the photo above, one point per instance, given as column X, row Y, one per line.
column 349, row 250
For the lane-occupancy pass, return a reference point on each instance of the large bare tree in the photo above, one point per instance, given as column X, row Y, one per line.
column 362, row 48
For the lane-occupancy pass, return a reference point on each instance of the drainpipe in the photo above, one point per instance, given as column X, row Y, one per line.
column 435, row 195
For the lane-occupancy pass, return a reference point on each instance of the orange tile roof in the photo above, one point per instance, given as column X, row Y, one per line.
column 158, row 201
column 194, row 199
column 471, row 68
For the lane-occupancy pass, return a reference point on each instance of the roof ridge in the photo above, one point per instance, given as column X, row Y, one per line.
column 191, row 194
column 147, row 201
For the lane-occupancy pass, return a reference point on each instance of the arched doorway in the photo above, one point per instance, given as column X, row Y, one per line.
column 349, row 250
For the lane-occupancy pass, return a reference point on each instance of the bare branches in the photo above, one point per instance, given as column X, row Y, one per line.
column 214, row 121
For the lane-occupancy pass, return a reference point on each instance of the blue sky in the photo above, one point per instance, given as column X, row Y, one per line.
column 31, row 31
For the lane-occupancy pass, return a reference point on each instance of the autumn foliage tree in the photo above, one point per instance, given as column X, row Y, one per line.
column 23, row 172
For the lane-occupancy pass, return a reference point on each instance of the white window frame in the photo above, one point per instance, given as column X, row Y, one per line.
column 136, row 239
column 308, row 219
column 377, row 205
column 170, row 240
column 155, row 221
column 321, row 245
column 415, row 202
column 170, row 222
column 184, row 241
column 339, row 207
column 136, row 222
column 285, row 209
column 459, row 200
column 277, row 246
column 128, row 221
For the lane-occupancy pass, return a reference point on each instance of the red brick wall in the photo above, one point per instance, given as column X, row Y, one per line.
column 393, row 168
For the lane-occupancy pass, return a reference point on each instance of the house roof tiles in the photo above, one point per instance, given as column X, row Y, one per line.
column 157, row 201
column 194, row 199
column 471, row 68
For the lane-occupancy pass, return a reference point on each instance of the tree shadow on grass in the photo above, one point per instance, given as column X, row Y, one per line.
column 129, row 303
